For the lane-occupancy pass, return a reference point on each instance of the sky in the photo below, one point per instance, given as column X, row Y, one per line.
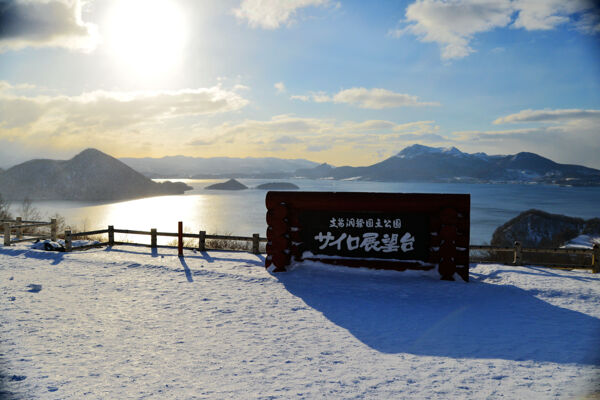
column 347, row 82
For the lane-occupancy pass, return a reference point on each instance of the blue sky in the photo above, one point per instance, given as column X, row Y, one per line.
column 344, row 82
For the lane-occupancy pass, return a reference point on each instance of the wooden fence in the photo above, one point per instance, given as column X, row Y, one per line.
column 516, row 255
column 519, row 255
column 22, row 228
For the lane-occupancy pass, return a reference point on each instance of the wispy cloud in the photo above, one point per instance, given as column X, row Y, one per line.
column 280, row 87
column 272, row 14
column 565, row 135
column 452, row 24
column 123, row 120
column 292, row 136
column 376, row 98
column 114, row 109
column 45, row 23
column 553, row 116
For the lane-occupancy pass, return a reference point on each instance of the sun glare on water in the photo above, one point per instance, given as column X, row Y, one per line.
column 146, row 37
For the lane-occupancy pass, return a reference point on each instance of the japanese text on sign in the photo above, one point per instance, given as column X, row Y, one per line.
column 387, row 243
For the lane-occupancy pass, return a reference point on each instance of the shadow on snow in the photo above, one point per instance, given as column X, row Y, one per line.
column 396, row 313
column 54, row 256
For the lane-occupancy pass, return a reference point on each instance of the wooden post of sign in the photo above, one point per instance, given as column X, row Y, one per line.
column 53, row 229
column 68, row 241
column 153, row 241
column 180, row 238
column 7, row 233
column 111, row 235
column 202, row 241
column 255, row 243
column 518, row 260
column 20, row 228
column 596, row 259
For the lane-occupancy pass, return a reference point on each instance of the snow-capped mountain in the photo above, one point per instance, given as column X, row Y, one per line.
column 420, row 163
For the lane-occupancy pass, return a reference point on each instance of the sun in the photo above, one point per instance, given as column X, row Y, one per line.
column 146, row 37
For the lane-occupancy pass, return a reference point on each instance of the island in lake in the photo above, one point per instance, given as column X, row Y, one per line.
column 278, row 186
column 231, row 184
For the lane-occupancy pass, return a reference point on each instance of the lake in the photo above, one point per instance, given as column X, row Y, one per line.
column 243, row 212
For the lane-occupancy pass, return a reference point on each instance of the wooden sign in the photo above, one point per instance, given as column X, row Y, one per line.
column 376, row 230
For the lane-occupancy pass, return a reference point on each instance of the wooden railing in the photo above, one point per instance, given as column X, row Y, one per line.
column 491, row 253
column 154, row 234
column 20, row 227
column 518, row 252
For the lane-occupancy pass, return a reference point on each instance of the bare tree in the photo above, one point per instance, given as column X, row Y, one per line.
column 4, row 209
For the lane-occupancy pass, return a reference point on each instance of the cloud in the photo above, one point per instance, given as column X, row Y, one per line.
column 551, row 116
column 271, row 14
column 452, row 24
column 286, row 139
column 283, row 133
column 547, row 14
column 318, row 148
column 564, row 135
column 378, row 98
column 375, row 98
column 280, row 87
column 114, row 110
column 45, row 23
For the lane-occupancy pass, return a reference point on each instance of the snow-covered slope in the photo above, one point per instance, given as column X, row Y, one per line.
column 127, row 322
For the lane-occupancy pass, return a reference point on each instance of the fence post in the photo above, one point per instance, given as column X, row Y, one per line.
column 7, row 233
column 68, row 241
column 255, row 243
column 596, row 259
column 53, row 229
column 180, row 239
column 153, row 238
column 111, row 235
column 19, row 229
column 202, row 241
column 518, row 260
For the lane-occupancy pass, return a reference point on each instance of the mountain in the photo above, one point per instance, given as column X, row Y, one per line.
column 200, row 168
column 90, row 175
column 535, row 228
column 420, row 163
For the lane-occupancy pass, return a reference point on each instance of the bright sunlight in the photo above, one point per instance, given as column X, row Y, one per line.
column 147, row 37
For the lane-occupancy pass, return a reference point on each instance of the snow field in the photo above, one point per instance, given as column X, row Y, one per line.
column 129, row 322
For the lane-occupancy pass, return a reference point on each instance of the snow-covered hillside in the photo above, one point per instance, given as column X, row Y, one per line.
column 127, row 322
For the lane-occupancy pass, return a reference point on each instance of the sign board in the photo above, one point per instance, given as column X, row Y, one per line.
column 377, row 230
column 365, row 234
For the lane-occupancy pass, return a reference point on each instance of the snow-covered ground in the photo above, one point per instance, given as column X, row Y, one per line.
column 129, row 322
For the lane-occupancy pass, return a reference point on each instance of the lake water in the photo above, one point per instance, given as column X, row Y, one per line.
column 243, row 212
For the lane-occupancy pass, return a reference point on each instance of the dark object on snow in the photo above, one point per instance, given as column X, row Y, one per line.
column 278, row 186
column 18, row 378
column 535, row 228
column 34, row 288
column 231, row 184
column 48, row 245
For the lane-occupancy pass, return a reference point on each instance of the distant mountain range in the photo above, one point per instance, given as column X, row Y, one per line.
column 217, row 167
column 90, row 175
column 419, row 163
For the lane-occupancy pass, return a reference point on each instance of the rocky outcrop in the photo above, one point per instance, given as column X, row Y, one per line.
column 231, row 184
column 535, row 228
column 278, row 186
column 90, row 175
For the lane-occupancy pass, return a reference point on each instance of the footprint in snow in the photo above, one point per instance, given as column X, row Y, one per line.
column 34, row 288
